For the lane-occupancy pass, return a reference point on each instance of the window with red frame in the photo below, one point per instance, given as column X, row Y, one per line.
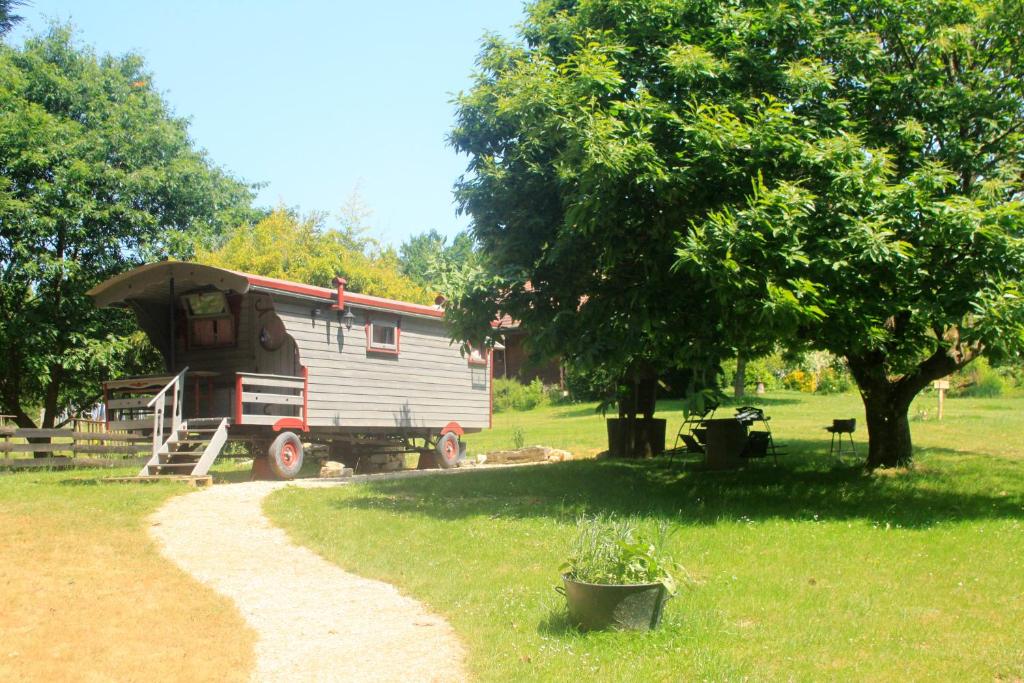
column 383, row 336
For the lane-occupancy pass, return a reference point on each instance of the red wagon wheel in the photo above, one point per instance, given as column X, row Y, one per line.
column 285, row 456
column 447, row 450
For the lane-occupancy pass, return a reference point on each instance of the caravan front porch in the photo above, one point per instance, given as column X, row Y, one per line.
column 185, row 417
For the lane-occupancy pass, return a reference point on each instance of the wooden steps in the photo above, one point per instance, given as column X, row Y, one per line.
column 191, row 450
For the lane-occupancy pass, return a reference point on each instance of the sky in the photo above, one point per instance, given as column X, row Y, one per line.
column 317, row 99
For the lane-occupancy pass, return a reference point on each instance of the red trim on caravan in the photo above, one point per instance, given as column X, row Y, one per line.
column 305, row 398
column 238, row 399
column 453, row 427
column 490, row 379
column 351, row 297
column 289, row 423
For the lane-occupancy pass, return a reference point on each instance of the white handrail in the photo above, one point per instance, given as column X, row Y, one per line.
column 157, row 404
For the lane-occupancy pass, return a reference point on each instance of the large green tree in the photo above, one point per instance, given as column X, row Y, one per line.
column 96, row 175
column 886, row 224
column 570, row 203
column 675, row 176
column 422, row 256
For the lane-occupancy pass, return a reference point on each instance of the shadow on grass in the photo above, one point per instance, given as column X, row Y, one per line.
column 557, row 623
column 670, row 405
column 799, row 488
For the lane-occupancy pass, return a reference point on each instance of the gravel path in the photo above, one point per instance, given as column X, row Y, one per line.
column 315, row 622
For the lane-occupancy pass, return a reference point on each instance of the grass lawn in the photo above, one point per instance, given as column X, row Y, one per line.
column 807, row 571
column 86, row 596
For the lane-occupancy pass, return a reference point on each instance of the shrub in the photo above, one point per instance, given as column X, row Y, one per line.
column 556, row 395
column 798, row 380
column 832, row 381
column 978, row 380
column 510, row 394
column 765, row 370
column 989, row 385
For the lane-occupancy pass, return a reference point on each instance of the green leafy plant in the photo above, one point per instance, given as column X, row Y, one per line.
column 510, row 394
column 832, row 381
column 518, row 438
column 614, row 550
column 978, row 380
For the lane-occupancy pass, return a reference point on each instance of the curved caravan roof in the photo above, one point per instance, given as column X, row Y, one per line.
column 149, row 284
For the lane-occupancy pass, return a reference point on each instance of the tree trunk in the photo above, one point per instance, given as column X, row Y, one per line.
column 50, row 406
column 886, row 404
column 50, row 397
column 740, row 380
column 889, row 443
column 640, row 400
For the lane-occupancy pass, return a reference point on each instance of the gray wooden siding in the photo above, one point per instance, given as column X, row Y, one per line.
column 427, row 385
column 282, row 360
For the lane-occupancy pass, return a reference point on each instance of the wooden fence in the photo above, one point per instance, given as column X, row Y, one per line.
column 84, row 443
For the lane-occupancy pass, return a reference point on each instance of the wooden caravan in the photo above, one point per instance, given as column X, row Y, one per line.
column 278, row 364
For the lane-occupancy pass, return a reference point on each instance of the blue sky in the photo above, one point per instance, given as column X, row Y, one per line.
column 317, row 99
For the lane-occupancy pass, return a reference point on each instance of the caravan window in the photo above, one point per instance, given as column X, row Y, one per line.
column 382, row 336
column 206, row 303
column 211, row 323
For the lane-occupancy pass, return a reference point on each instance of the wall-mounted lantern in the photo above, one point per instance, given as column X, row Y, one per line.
column 347, row 318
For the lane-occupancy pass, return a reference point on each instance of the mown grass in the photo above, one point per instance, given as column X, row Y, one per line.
column 812, row 570
column 85, row 594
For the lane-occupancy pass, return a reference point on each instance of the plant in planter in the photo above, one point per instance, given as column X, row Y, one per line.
column 616, row 576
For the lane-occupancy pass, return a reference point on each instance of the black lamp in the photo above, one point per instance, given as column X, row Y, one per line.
column 347, row 318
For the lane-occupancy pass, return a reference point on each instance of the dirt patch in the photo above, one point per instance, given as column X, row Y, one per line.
column 90, row 603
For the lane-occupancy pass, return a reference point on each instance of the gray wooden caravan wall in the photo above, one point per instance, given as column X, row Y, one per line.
column 428, row 384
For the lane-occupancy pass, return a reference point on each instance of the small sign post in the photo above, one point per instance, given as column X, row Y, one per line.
column 941, row 385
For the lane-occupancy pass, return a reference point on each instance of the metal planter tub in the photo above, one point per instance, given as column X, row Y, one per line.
column 622, row 607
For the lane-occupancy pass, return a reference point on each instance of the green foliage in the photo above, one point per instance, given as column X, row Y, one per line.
column 284, row 245
column 570, row 197
column 613, row 550
column 833, row 381
column 510, row 394
column 893, row 241
column 421, row 256
column 589, row 384
column 765, row 370
column 518, row 438
column 809, row 372
column 96, row 176
column 980, row 380
column 768, row 370
column 748, row 136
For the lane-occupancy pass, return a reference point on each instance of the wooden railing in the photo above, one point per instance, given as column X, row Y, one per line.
column 80, row 445
column 277, row 400
column 126, row 402
column 158, row 404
